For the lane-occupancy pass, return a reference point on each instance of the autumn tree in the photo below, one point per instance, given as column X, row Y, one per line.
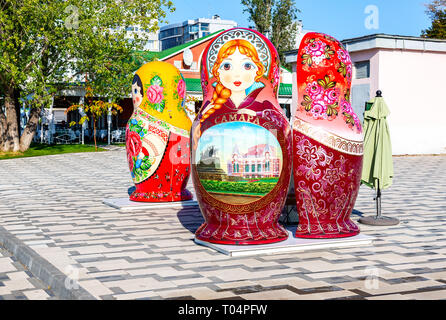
column 276, row 19
column 436, row 10
column 94, row 110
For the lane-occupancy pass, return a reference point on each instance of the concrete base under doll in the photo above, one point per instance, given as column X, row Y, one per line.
column 291, row 244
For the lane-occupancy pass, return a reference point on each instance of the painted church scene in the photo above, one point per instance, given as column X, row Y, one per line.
column 238, row 166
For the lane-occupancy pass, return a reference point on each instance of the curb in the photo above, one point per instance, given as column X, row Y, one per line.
column 41, row 268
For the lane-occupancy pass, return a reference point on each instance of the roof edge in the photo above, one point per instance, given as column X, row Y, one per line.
column 390, row 36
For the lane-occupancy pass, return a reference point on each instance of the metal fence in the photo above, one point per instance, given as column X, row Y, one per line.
column 78, row 136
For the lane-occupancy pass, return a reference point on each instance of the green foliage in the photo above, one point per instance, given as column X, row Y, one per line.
column 49, row 45
column 276, row 19
column 106, row 57
column 437, row 12
column 260, row 12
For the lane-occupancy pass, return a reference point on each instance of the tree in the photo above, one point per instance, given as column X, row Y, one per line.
column 436, row 10
column 46, row 44
column 25, row 53
column 284, row 26
column 276, row 19
column 94, row 110
column 260, row 12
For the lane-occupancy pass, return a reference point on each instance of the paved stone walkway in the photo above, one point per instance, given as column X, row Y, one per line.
column 17, row 283
column 54, row 205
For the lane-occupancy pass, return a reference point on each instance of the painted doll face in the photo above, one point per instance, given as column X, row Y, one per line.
column 136, row 95
column 237, row 72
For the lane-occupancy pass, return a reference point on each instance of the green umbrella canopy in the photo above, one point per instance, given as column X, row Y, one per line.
column 377, row 161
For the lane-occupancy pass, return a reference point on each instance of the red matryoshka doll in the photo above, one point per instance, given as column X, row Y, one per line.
column 241, row 142
column 327, row 140
column 158, row 135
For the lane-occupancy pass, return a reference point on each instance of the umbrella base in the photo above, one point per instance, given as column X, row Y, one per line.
column 379, row 221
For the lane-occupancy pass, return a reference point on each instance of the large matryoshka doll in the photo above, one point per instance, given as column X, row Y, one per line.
column 158, row 135
column 241, row 142
column 327, row 140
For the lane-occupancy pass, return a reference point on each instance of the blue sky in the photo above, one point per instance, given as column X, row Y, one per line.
column 341, row 19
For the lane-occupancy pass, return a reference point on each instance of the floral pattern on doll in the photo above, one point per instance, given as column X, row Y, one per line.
column 155, row 94
column 180, row 92
column 321, row 100
column 328, row 193
column 276, row 77
column 138, row 157
column 316, row 52
column 350, row 117
column 345, row 64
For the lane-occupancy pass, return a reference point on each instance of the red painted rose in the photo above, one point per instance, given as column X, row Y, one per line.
column 155, row 93
column 134, row 143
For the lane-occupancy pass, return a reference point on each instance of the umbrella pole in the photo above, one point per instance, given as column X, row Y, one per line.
column 378, row 220
column 378, row 202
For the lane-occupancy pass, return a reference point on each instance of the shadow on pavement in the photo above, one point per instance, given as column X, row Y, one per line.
column 130, row 190
column 357, row 213
column 190, row 218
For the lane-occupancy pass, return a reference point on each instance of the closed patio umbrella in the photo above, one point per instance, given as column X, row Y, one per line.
column 377, row 170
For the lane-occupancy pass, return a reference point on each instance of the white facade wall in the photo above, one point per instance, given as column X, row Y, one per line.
column 414, row 87
column 218, row 24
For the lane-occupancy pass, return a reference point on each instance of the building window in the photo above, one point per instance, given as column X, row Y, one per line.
column 362, row 69
column 205, row 27
column 193, row 28
column 171, row 42
column 259, row 167
column 171, row 32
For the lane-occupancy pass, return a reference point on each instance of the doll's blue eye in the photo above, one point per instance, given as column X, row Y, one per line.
column 248, row 66
column 226, row 66
column 136, row 91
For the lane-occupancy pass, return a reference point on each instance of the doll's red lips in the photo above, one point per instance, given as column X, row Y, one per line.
column 237, row 83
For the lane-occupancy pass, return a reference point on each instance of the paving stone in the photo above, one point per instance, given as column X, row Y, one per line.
column 17, row 283
column 151, row 254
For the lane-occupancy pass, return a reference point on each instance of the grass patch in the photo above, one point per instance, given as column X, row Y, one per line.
column 36, row 150
column 241, row 187
column 238, row 193
column 120, row 144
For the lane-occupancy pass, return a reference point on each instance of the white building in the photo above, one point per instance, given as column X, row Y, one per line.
column 176, row 34
column 152, row 44
column 410, row 73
